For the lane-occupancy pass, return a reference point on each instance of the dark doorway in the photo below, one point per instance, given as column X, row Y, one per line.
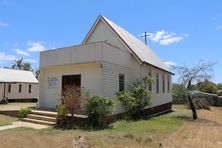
column 70, row 80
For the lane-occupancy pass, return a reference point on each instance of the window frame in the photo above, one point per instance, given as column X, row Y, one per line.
column 163, row 83
column 30, row 88
column 20, row 88
column 121, row 82
column 157, row 83
column 168, row 84
column 150, row 75
column 9, row 88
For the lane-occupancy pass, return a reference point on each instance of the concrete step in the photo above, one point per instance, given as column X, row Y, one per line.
column 38, row 121
column 40, row 117
column 44, row 113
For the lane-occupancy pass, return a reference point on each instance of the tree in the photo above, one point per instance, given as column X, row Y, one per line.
column 19, row 64
column 189, row 75
column 71, row 99
column 179, row 93
column 207, row 86
column 37, row 72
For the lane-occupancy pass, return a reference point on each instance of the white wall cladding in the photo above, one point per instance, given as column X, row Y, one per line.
column 90, row 80
column 14, row 94
column 110, row 76
column 104, row 33
column 161, row 97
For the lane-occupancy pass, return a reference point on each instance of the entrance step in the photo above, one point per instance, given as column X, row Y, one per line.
column 38, row 121
column 44, row 113
column 41, row 117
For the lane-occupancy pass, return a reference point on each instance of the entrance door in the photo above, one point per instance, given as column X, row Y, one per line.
column 70, row 80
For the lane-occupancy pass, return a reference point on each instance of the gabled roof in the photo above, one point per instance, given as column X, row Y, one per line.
column 136, row 46
column 19, row 76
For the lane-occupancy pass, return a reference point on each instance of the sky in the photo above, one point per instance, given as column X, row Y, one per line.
column 180, row 32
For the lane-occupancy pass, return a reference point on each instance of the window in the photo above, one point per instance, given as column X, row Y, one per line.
column 20, row 88
column 30, row 88
column 163, row 79
column 9, row 88
column 150, row 76
column 168, row 83
column 157, row 83
column 121, row 82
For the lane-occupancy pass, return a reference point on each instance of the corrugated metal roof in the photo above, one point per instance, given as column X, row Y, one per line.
column 144, row 53
column 140, row 49
column 12, row 75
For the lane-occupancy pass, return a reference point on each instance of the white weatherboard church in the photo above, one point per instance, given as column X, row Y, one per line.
column 18, row 85
column 109, row 60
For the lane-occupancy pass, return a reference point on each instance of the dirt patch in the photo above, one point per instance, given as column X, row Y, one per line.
column 206, row 132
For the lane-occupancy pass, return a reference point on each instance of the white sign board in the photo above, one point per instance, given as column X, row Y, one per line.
column 52, row 82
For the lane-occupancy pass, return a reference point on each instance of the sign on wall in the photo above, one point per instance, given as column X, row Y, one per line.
column 52, row 82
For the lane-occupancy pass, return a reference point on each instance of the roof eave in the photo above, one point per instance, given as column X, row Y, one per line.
column 159, row 68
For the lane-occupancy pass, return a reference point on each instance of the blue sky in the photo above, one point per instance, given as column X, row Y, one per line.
column 181, row 32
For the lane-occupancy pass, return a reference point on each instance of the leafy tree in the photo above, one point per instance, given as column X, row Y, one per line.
column 37, row 72
column 207, row 86
column 179, row 93
column 189, row 75
column 135, row 100
column 19, row 64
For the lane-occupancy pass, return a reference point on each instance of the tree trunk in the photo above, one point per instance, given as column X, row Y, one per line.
column 192, row 106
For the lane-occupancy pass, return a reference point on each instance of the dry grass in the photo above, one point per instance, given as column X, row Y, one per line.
column 6, row 120
column 141, row 133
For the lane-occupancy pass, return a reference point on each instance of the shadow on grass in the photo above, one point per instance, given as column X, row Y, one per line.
column 202, row 121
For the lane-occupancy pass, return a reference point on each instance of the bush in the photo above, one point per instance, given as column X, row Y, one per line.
column 24, row 112
column 97, row 109
column 135, row 100
column 61, row 118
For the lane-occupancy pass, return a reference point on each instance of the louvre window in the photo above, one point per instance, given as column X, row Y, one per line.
column 30, row 88
column 20, row 88
column 168, row 83
column 9, row 88
column 150, row 76
column 121, row 82
column 157, row 83
column 163, row 79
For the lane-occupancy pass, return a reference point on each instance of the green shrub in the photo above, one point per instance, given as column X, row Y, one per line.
column 24, row 112
column 135, row 100
column 97, row 109
column 61, row 118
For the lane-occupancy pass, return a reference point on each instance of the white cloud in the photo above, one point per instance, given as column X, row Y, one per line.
column 30, row 60
column 170, row 64
column 35, row 46
column 5, row 57
column 219, row 28
column 166, row 38
column 158, row 36
column 170, row 40
column 19, row 51
column 4, row 24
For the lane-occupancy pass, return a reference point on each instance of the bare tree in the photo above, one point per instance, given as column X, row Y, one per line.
column 190, row 75
column 71, row 99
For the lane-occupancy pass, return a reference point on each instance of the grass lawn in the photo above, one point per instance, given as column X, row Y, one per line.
column 6, row 120
column 141, row 133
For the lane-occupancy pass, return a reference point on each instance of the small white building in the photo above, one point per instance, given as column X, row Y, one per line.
column 109, row 60
column 18, row 85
